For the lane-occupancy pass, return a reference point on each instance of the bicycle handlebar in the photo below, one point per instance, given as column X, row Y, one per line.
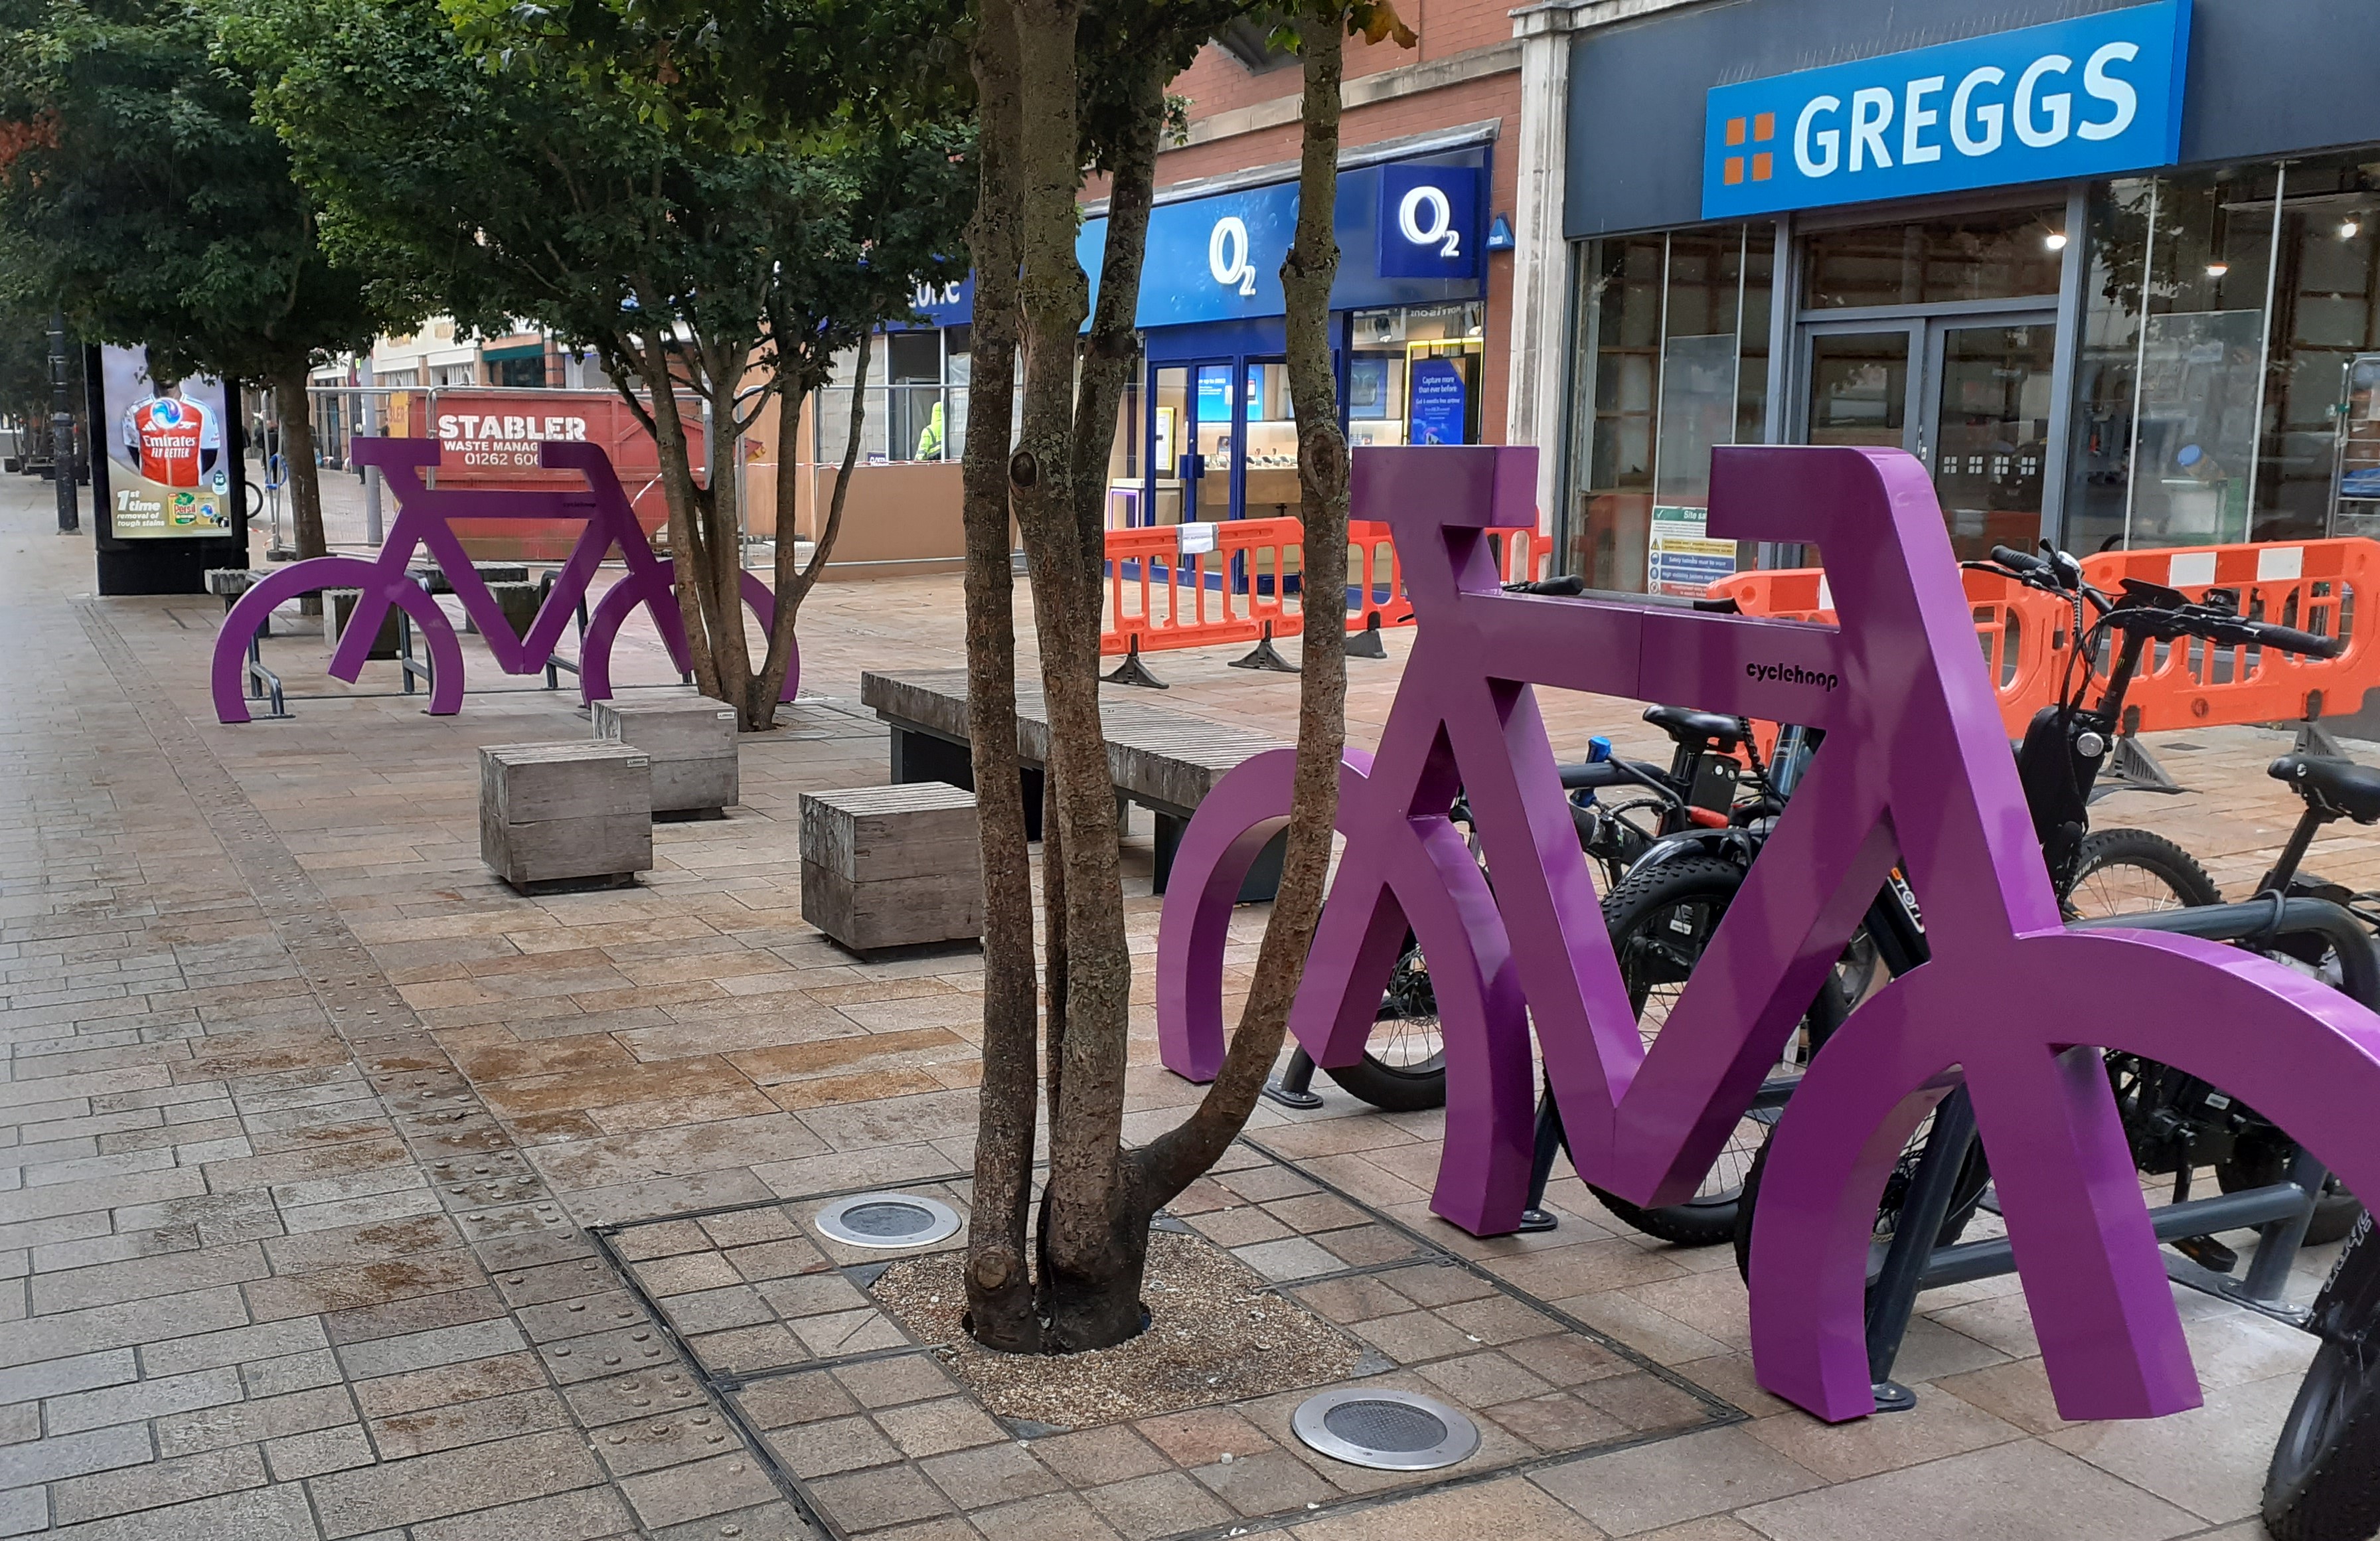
column 2019, row 561
column 1566, row 587
column 2223, row 628
column 2289, row 640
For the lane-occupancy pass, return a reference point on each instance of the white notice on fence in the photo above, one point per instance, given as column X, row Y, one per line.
column 1198, row 538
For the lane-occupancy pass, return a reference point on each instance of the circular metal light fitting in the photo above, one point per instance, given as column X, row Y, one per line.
column 1386, row 1430
column 888, row 1220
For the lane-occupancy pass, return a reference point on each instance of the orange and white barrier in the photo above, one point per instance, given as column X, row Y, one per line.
column 2021, row 630
column 2316, row 586
column 1194, row 585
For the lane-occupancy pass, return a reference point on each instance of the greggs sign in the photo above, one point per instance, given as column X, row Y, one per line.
column 2085, row 97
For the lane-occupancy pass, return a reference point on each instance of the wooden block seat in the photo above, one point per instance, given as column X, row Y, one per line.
column 565, row 812
column 692, row 743
column 891, row 866
column 1167, row 762
column 343, row 602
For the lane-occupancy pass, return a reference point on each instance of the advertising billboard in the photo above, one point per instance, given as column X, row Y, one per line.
column 168, row 450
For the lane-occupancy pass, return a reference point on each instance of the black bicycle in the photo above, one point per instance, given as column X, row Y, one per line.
column 1622, row 808
column 2323, row 1484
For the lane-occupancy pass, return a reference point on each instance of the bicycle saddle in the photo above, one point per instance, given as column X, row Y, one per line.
column 2332, row 785
column 1688, row 726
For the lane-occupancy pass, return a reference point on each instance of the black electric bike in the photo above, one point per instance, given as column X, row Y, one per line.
column 2323, row 1484
column 2175, row 1123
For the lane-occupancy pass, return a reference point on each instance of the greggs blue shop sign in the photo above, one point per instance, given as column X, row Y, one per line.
column 2084, row 97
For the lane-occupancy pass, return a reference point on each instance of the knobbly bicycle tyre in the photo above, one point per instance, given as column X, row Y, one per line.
column 2103, row 851
column 1391, row 1087
column 2323, row 1484
column 1642, row 914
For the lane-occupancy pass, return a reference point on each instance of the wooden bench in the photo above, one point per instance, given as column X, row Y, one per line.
column 1166, row 761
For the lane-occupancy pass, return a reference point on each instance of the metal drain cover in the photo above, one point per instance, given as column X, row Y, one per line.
column 888, row 1220
column 1386, row 1430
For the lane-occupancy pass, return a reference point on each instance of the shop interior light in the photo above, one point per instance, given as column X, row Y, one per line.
column 2054, row 240
column 2350, row 227
column 2217, row 270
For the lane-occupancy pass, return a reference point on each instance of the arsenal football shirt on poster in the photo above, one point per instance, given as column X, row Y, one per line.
column 167, row 475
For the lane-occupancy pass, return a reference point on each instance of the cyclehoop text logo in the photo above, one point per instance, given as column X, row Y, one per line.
column 1789, row 673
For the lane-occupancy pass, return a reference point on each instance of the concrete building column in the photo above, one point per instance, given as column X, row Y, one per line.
column 1540, row 256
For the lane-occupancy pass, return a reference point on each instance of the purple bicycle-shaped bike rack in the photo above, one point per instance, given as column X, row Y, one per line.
column 1915, row 772
column 424, row 522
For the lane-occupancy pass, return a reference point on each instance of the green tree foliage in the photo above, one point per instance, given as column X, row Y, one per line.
column 161, row 214
column 514, row 180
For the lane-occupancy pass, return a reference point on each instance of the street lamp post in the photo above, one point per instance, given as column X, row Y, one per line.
column 62, row 459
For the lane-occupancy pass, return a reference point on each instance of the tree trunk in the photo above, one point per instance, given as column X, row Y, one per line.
column 1166, row 1165
column 1000, row 1312
column 1087, row 1297
column 1112, row 349
column 722, row 511
column 794, row 579
column 298, row 472
column 687, row 556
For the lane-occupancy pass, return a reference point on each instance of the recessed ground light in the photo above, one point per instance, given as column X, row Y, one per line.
column 888, row 1220
column 1386, row 1430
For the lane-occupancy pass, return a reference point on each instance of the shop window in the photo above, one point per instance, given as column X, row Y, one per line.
column 527, row 371
column 2226, row 318
column 1415, row 375
column 1676, row 329
column 916, row 408
column 1999, row 254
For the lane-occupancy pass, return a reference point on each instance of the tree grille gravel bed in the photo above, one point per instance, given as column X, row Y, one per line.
column 1219, row 1332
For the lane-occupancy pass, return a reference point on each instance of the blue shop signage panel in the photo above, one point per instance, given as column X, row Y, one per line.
column 1218, row 259
column 2085, row 97
column 1428, row 223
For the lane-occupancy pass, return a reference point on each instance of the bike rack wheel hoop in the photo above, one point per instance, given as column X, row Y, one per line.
column 248, row 616
column 653, row 590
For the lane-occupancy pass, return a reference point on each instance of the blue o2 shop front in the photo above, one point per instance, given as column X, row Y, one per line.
column 1206, row 433
column 2111, row 270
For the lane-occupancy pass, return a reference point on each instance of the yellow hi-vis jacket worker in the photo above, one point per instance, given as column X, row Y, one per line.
column 930, row 442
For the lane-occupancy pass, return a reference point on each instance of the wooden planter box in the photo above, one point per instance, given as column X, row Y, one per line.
column 555, row 812
column 692, row 744
column 892, row 865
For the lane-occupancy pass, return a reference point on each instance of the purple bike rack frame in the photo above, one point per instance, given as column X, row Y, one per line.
column 424, row 521
column 1915, row 771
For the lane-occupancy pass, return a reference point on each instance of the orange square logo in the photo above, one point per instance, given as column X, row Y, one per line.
column 1733, row 171
column 1734, row 132
column 1764, row 126
column 1762, row 165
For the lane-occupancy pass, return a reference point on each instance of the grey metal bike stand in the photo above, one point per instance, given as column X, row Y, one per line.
column 2279, row 1213
column 1294, row 1086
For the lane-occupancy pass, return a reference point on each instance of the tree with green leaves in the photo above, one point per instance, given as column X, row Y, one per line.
column 135, row 180
column 511, row 180
column 1064, row 86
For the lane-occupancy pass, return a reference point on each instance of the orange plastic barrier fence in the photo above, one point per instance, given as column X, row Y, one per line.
column 1190, row 586
column 1372, row 572
column 2315, row 586
column 2021, row 631
column 1162, row 596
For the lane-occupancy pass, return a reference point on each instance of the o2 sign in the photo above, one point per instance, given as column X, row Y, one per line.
column 2085, row 97
column 1229, row 257
column 1429, row 222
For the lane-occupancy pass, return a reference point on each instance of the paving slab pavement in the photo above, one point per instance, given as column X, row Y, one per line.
column 312, row 1136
